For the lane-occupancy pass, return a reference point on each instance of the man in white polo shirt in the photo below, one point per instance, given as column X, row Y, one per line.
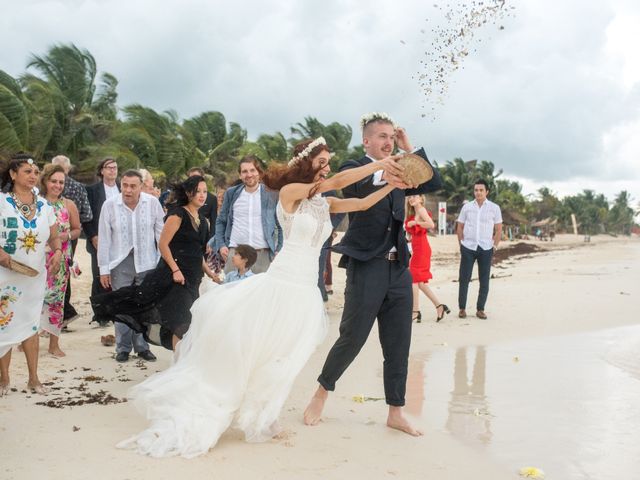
column 479, row 231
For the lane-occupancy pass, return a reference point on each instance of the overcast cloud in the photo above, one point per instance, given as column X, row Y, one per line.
column 552, row 99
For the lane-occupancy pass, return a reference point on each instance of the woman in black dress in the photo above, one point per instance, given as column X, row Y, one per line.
column 160, row 306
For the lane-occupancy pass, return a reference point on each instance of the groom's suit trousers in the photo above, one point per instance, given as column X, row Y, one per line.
column 375, row 288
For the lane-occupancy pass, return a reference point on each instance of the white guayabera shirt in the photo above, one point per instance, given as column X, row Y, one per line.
column 121, row 230
column 478, row 224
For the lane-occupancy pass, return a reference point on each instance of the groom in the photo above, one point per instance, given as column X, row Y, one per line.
column 376, row 257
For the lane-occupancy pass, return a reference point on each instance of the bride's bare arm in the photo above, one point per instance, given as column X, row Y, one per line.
column 294, row 192
column 345, row 205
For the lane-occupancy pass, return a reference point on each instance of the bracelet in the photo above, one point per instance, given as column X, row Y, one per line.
column 176, row 270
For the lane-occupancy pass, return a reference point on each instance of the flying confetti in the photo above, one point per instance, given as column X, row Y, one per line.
column 453, row 40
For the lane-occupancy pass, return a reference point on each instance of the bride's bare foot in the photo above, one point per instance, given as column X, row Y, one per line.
column 56, row 352
column 37, row 387
column 4, row 388
column 313, row 412
column 396, row 420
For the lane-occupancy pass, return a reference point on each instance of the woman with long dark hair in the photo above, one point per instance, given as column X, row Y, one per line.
column 159, row 306
column 248, row 340
column 27, row 226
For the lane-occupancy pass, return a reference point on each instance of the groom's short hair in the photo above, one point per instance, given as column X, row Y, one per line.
column 366, row 128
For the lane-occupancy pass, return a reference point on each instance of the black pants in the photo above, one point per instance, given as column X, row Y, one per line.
column 324, row 253
column 467, row 259
column 69, row 310
column 96, row 287
column 376, row 288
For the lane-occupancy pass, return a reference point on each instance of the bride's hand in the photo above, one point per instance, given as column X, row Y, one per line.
column 391, row 166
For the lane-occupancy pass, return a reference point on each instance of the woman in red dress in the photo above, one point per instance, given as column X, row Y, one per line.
column 417, row 223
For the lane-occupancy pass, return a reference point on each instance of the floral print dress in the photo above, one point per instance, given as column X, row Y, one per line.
column 53, row 307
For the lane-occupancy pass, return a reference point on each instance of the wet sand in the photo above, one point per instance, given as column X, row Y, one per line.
column 567, row 404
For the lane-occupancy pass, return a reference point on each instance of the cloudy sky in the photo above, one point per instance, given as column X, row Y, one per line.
column 553, row 99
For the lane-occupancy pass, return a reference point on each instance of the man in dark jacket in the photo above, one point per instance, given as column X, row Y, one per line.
column 376, row 256
column 98, row 193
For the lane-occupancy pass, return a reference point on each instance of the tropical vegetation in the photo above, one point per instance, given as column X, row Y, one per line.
column 62, row 105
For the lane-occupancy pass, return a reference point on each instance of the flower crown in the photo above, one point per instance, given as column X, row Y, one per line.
column 307, row 151
column 374, row 117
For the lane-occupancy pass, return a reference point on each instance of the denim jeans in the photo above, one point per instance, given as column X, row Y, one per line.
column 467, row 258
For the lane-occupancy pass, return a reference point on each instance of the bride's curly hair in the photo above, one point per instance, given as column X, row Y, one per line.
column 299, row 171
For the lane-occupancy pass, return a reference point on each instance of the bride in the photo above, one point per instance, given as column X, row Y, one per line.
column 248, row 340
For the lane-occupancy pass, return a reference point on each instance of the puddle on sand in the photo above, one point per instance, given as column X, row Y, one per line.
column 569, row 405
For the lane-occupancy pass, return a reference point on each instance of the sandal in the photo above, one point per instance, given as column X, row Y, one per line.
column 418, row 317
column 445, row 310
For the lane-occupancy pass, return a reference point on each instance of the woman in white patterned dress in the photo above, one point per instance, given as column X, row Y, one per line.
column 27, row 226
column 249, row 340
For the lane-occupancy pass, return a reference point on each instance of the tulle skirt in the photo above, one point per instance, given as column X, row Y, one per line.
column 235, row 366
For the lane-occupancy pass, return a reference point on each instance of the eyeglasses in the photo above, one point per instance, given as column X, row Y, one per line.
column 111, row 167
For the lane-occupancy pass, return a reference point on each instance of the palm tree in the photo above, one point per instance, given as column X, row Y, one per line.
column 620, row 218
column 338, row 137
column 68, row 82
column 457, row 182
column 14, row 116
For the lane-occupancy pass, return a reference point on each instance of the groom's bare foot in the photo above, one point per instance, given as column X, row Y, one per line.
column 396, row 420
column 4, row 388
column 313, row 412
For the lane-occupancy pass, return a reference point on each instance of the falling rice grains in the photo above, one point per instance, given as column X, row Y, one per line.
column 455, row 37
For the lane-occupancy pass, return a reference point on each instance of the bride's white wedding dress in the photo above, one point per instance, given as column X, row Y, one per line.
column 247, row 342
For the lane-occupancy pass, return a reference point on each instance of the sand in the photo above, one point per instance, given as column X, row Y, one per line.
column 542, row 307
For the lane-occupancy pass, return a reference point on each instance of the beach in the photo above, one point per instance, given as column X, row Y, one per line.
column 550, row 380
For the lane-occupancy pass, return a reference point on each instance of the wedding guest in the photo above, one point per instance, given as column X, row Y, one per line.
column 106, row 188
column 417, row 223
column 148, row 183
column 210, row 208
column 248, row 216
column 68, row 222
column 129, row 229
column 479, row 233
column 243, row 259
column 160, row 306
column 77, row 193
column 27, row 226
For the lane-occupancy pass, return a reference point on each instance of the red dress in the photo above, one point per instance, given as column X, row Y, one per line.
column 420, row 264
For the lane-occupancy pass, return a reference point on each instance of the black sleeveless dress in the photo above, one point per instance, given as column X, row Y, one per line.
column 160, row 308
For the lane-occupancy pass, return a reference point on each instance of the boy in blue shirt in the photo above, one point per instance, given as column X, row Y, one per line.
column 243, row 259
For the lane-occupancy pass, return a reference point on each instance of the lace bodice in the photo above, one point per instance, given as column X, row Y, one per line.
column 309, row 225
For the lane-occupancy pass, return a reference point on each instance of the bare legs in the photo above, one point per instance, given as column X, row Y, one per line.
column 54, row 346
column 395, row 420
column 4, row 373
column 30, row 347
column 424, row 288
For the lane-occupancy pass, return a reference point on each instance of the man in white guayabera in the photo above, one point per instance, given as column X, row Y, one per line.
column 128, row 232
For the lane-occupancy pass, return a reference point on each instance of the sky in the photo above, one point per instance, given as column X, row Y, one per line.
column 552, row 99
